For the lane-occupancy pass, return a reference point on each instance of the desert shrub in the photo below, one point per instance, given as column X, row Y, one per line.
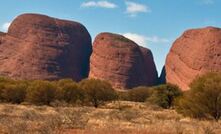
column 97, row 91
column 41, row 92
column 72, row 93
column 2, row 86
column 3, row 83
column 139, row 94
column 14, row 92
column 60, row 85
column 6, row 80
column 164, row 95
column 203, row 100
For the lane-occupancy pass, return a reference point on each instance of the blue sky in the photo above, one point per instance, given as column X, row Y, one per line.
column 154, row 24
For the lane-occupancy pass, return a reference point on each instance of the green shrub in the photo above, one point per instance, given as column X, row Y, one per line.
column 164, row 95
column 41, row 92
column 14, row 93
column 72, row 93
column 98, row 91
column 203, row 100
column 139, row 94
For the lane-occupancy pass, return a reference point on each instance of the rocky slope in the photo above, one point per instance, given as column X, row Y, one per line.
column 42, row 47
column 196, row 52
column 121, row 62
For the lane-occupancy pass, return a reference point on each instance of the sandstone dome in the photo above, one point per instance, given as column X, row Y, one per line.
column 122, row 62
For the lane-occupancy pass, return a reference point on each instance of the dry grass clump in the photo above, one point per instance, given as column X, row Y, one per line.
column 132, row 117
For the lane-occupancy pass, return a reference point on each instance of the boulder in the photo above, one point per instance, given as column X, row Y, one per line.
column 122, row 62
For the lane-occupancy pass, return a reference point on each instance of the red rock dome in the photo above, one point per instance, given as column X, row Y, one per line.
column 41, row 47
column 122, row 62
column 196, row 52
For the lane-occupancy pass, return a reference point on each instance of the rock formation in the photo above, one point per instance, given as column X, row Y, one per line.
column 196, row 52
column 41, row 47
column 122, row 62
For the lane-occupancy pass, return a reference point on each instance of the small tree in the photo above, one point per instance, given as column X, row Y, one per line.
column 41, row 92
column 98, row 91
column 164, row 95
column 203, row 100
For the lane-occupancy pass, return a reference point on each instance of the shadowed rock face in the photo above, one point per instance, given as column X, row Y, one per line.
column 41, row 47
column 196, row 52
column 162, row 78
column 121, row 62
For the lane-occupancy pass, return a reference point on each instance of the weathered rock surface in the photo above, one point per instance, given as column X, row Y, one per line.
column 196, row 52
column 122, row 62
column 41, row 47
column 2, row 35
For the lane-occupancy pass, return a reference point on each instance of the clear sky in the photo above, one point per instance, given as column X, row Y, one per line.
column 154, row 24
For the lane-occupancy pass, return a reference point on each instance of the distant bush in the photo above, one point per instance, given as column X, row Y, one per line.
column 72, row 93
column 164, row 95
column 203, row 100
column 138, row 94
column 98, row 91
column 41, row 92
column 63, row 82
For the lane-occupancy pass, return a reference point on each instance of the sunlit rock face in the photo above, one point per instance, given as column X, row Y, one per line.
column 122, row 62
column 41, row 47
column 196, row 52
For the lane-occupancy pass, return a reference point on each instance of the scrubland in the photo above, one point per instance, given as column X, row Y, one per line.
column 118, row 117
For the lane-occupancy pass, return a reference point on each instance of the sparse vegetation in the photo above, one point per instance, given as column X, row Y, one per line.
column 141, row 106
column 39, row 92
column 136, row 118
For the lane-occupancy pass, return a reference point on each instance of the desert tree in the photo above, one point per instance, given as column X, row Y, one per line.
column 203, row 100
column 41, row 92
column 98, row 91
column 164, row 95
